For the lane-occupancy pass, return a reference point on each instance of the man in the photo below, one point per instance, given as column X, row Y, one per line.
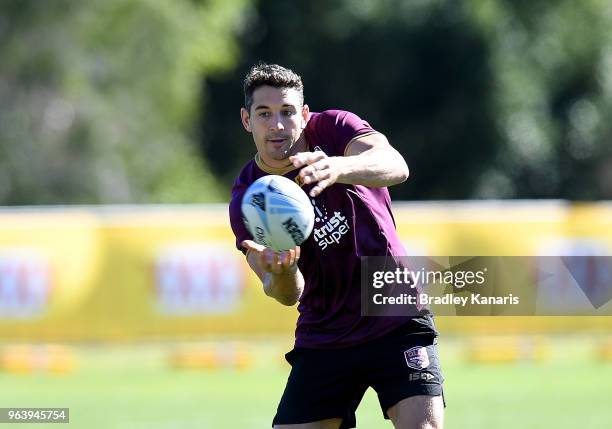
column 344, row 166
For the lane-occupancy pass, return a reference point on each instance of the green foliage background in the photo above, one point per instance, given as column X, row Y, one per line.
column 134, row 101
column 99, row 98
column 485, row 98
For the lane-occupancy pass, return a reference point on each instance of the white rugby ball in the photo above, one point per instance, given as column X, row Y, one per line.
column 277, row 212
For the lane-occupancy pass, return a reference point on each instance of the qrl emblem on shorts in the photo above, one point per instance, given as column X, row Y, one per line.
column 417, row 358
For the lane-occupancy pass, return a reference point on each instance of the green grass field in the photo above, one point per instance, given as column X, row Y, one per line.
column 134, row 387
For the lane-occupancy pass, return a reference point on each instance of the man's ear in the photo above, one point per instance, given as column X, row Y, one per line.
column 305, row 114
column 246, row 119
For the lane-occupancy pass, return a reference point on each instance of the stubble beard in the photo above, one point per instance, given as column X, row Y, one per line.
column 280, row 153
column 284, row 152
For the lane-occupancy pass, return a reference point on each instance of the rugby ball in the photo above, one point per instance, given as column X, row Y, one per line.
column 277, row 212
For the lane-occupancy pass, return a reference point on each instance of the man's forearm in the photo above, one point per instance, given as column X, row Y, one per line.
column 286, row 288
column 375, row 168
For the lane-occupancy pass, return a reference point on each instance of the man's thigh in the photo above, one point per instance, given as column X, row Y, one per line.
column 323, row 390
column 418, row 412
column 407, row 366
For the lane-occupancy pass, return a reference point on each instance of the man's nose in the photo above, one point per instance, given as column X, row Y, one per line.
column 277, row 123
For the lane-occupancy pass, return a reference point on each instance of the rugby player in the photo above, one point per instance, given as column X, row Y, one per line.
column 345, row 166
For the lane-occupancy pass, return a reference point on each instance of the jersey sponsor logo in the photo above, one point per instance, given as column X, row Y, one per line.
column 331, row 230
column 417, row 358
column 293, row 229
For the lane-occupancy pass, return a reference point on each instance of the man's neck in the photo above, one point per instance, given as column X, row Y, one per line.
column 275, row 164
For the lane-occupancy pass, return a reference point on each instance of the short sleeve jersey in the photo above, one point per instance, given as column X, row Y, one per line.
column 351, row 221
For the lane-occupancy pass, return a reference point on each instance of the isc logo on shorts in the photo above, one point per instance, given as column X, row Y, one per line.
column 416, row 376
column 417, row 358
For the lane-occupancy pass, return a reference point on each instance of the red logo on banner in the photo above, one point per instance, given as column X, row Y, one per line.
column 198, row 279
column 24, row 284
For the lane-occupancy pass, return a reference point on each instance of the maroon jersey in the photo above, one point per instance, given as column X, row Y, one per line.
column 350, row 221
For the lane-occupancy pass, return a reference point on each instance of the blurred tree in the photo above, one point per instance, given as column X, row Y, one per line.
column 99, row 98
column 553, row 66
column 416, row 72
column 485, row 98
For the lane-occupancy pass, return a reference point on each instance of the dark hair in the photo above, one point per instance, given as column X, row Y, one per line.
column 271, row 75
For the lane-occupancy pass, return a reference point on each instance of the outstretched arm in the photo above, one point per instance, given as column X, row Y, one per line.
column 369, row 160
column 278, row 271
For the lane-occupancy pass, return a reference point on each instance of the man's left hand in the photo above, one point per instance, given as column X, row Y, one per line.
column 319, row 168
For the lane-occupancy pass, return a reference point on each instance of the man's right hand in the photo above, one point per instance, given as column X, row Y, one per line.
column 270, row 261
column 278, row 271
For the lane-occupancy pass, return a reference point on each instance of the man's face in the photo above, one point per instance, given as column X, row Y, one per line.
column 276, row 120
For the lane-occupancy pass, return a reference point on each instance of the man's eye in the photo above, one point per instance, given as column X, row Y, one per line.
column 264, row 114
column 288, row 112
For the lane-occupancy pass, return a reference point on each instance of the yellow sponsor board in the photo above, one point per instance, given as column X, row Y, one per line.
column 524, row 228
column 49, row 264
column 125, row 273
